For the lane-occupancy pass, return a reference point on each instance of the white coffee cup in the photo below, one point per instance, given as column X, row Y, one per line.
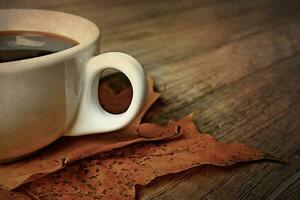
column 46, row 97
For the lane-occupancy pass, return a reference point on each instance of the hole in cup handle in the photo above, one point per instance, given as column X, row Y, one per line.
column 91, row 117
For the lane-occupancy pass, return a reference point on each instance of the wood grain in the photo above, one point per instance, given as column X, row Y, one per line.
column 236, row 64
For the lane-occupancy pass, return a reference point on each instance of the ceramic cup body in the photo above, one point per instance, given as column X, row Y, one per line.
column 45, row 97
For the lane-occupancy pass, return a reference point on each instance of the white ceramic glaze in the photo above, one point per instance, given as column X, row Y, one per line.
column 45, row 97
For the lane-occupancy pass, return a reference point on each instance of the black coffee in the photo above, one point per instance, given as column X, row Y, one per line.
column 19, row 45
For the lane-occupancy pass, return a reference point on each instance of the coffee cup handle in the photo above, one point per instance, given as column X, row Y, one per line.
column 91, row 117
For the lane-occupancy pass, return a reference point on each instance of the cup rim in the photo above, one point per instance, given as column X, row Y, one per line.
column 91, row 38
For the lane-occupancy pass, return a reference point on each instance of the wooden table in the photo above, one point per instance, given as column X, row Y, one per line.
column 236, row 64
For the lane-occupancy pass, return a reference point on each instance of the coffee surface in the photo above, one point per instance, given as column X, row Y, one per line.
column 19, row 45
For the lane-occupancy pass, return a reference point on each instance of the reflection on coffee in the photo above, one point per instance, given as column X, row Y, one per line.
column 19, row 45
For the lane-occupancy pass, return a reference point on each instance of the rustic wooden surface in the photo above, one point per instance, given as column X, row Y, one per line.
column 236, row 64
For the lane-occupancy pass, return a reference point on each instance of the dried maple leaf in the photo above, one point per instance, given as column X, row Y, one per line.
column 114, row 174
column 115, row 93
column 12, row 195
column 69, row 149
